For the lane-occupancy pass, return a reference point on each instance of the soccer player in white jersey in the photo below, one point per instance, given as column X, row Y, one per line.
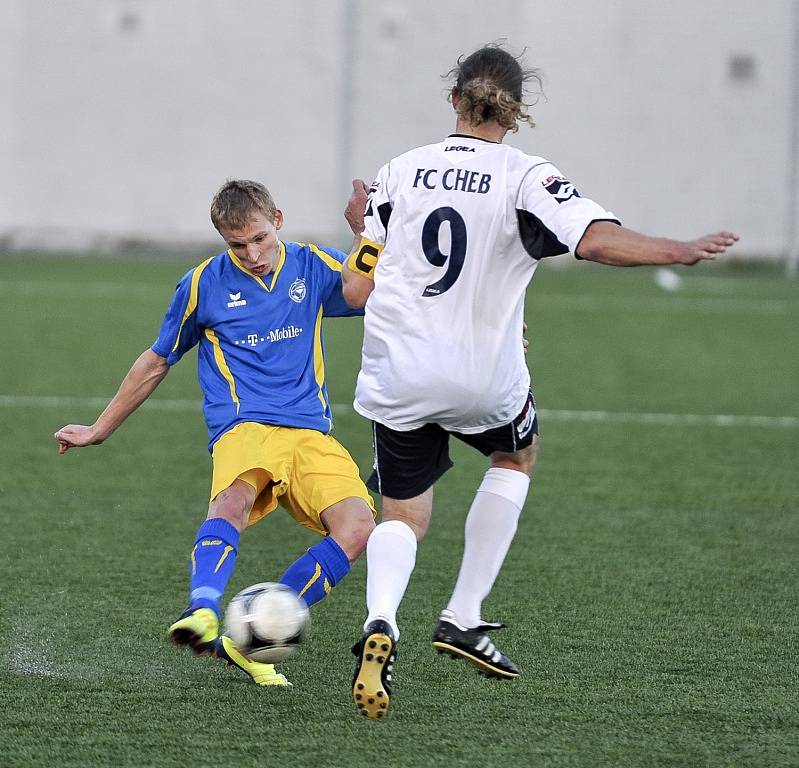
column 454, row 233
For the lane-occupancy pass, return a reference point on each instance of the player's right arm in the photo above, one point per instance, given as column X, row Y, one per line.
column 594, row 234
column 608, row 243
column 145, row 375
column 179, row 332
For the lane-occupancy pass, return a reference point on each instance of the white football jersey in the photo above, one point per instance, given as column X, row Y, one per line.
column 463, row 225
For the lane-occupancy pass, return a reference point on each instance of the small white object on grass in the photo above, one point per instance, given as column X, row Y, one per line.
column 667, row 279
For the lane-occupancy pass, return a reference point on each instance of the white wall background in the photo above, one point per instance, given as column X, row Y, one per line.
column 120, row 118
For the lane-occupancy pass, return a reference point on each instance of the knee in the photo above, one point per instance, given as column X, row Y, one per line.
column 528, row 459
column 358, row 534
column 233, row 504
column 350, row 526
column 418, row 521
column 419, row 527
column 521, row 461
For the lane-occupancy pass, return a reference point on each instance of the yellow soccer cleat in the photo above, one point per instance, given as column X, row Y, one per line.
column 196, row 628
column 376, row 654
column 261, row 674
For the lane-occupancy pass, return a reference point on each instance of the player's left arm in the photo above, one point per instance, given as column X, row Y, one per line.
column 357, row 284
column 608, row 243
column 356, row 207
column 370, row 232
column 328, row 270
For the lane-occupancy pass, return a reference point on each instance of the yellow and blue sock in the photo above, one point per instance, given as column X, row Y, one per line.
column 212, row 561
column 314, row 574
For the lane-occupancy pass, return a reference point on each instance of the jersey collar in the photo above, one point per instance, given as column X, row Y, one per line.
column 473, row 138
column 272, row 277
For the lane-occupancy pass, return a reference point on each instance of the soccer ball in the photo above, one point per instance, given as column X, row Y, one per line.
column 267, row 622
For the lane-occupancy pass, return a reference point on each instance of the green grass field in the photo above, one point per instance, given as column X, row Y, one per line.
column 651, row 593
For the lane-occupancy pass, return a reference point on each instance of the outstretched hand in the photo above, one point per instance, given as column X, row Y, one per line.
column 356, row 206
column 708, row 247
column 75, row 436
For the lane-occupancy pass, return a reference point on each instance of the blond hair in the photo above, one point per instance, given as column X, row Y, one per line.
column 237, row 201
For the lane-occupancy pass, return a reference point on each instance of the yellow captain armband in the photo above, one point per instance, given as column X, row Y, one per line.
column 363, row 259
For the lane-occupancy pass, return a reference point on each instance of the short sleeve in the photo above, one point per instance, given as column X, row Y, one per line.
column 551, row 213
column 328, row 268
column 179, row 329
column 378, row 207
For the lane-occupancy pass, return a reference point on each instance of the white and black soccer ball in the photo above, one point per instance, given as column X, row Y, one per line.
column 267, row 622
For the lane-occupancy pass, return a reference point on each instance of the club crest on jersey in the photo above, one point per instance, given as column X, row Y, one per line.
column 297, row 290
column 236, row 300
column 560, row 188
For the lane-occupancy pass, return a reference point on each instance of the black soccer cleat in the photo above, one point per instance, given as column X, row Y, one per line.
column 474, row 645
column 376, row 654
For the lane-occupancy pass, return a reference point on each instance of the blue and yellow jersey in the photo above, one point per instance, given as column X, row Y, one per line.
column 261, row 353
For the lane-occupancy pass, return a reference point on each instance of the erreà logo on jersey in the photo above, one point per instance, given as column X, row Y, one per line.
column 297, row 290
column 560, row 188
column 236, row 300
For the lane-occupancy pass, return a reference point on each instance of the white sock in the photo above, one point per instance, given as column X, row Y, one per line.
column 390, row 559
column 490, row 527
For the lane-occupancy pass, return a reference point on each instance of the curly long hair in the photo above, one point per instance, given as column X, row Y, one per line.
column 490, row 85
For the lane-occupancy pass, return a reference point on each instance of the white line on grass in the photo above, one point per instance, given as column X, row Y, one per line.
column 96, row 290
column 704, row 304
column 664, row 419
column 674, row 419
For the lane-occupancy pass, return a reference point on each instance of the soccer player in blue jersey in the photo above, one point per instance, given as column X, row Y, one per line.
column 255, row 310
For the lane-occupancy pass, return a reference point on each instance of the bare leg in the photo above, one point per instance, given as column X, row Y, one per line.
column 233, row 504
column 349, row 522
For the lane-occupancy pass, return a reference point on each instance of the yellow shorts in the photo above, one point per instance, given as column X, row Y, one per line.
column 302, row 469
